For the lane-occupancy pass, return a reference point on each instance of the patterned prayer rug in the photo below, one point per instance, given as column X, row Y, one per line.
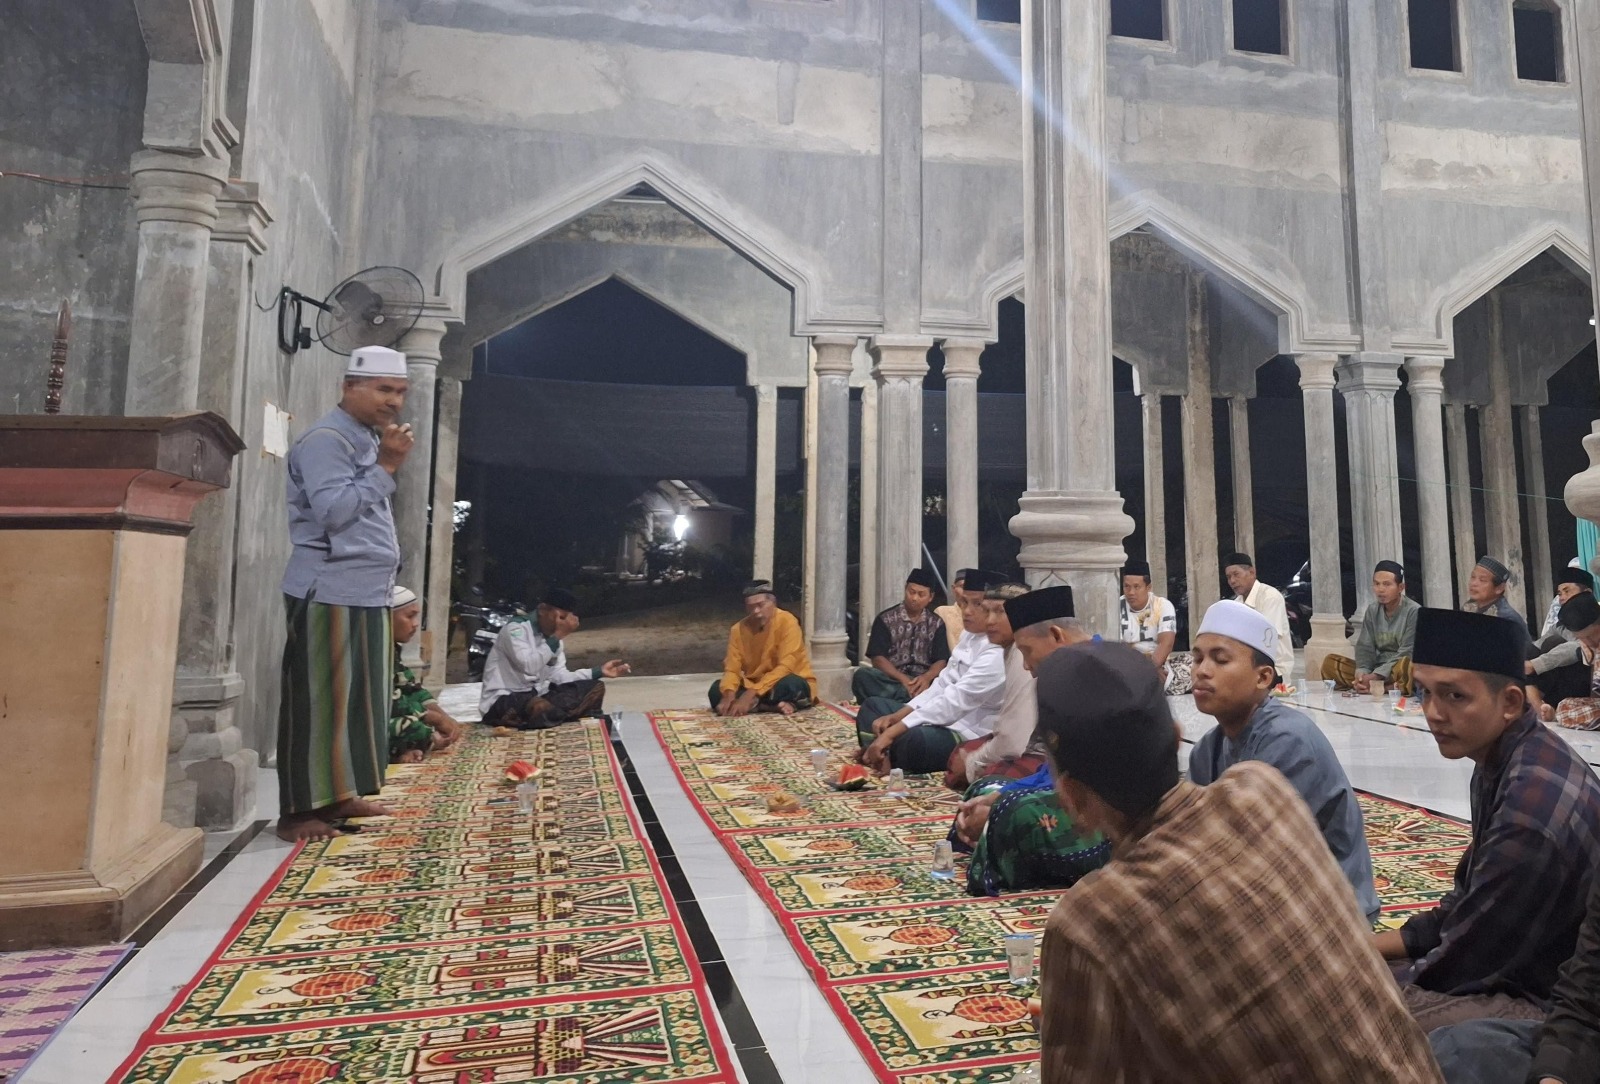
column 461, row 940
column 913, row 966
column 40, row 989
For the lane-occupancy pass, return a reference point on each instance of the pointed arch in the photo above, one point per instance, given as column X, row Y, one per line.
column 695, row 197
column 1448, row 301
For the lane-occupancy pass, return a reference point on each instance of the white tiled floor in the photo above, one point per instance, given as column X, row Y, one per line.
column 1388, row 756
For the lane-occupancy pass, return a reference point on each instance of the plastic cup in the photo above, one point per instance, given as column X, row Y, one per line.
column 1019, row 958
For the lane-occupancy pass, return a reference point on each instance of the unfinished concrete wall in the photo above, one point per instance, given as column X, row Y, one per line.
column 81, row 69
column 300, row 147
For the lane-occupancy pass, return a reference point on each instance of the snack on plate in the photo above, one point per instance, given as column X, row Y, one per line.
column 519, row 771
column 505, row 731
column 782, row 802
column 1283, row 691
column 1035, row 1007
column 852, row 777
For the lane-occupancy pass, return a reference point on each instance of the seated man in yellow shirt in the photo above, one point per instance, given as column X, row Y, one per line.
column 767, row 667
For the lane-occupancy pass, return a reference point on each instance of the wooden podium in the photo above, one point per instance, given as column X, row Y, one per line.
column 94, row 514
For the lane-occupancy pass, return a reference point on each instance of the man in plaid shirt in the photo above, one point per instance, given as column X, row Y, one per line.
column 1493, row 946
column 1222, row 943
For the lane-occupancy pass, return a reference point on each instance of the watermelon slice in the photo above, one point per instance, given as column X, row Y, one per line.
column 852, row 777
column 519, row 771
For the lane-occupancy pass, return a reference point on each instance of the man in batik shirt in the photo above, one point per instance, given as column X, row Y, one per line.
column 908, row 646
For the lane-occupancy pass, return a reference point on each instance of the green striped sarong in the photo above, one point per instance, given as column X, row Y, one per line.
column 333, row 725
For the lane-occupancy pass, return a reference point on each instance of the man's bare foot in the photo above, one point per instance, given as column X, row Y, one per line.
column 354, row 807
column 295, row 827
column 785, row 708
column 410, row 756
column 1547, row 713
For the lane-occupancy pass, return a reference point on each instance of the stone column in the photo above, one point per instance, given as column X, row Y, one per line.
column 1155, row 493
column 211, row 775
column 175, row 200
column 414, row 480
column 832, row 468
column 1071, row 521
column 899, row 364
column 1541, row 578
column 1433, row 509
column 808, row 571
column 1582, row 491
column 435, row 634
column 1201, row 560
column 961, row 451
column 1322, row 491
column 1463, row 533
column 1368, row 382
column 1244, row 514
column 867, row 501
column 766, row 478
column 1498, row 447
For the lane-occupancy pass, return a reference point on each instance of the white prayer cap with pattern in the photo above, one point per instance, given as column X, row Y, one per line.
column 376, row 361
column 1237, row 621
column 401, row 597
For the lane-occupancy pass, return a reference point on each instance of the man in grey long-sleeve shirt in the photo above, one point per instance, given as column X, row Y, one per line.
column 1233, row 676
column 1383, row 647
column 338, row 669
column 1559, row 670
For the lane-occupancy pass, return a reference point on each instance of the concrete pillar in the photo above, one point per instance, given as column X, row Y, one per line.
column 1071, row 522
column 766, row 478
column 414, row 480
column 961, row 451
column 1368, row 381
column 1322, row 490
column 435, row 634
column 1582, row 491
column 1244, row 515
column 1433, row 508
column 1155, row 493
column 212, row 775
column 175, row 200
column 1498, row 447
column 1463, row 535
column 1541, row 578
column 808, row 570
column 1201, row 560
column 899, row 364
column 867, row 500
column 832, row 467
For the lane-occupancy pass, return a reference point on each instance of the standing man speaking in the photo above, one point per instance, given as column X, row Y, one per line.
column 337, row 665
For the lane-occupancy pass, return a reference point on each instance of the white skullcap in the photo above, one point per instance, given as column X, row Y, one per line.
column 401, row 596
column 1237, row 621
column 376, row 361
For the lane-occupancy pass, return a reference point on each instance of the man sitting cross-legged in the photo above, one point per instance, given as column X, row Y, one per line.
column 1493, row 945
column 1580, row 616
column 1150, row 626
column 908, row 646
column 1008, row 749
column 767, row 667
column 950, row 612
column 417, row 724
column 1563, row 1049
column 960, row 704
column 1486, row 594
column 526, row 683
column 1233, row 679
column 1388, row 631
column 1020, row 838
column 1221, row 942
column 1266, row 600
column 1561, row 666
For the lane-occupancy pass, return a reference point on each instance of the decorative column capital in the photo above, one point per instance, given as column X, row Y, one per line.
column 833, row 354
column 1425, row 374
column 961, row 358
column 1316, row 371
column 421, row 345
column 1370, row 372
column 241, row 216
column 177, row 187
column 900, row 357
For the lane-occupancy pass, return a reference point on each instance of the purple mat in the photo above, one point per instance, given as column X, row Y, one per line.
column 40, row 989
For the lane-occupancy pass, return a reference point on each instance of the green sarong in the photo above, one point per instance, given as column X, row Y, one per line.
column 868, row 682
column 407, row 729
column 1029, row 842
column 333, row 722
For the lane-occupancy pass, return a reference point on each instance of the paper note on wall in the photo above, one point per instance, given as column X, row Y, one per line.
column 275, row 431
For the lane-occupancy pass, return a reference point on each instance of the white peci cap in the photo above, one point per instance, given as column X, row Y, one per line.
column 376, row 361
column 1237, row 621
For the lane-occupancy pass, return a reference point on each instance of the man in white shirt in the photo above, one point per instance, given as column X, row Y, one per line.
column 526, row 683
column 1010, row 749
column 1266, row 601
column 960, row 704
